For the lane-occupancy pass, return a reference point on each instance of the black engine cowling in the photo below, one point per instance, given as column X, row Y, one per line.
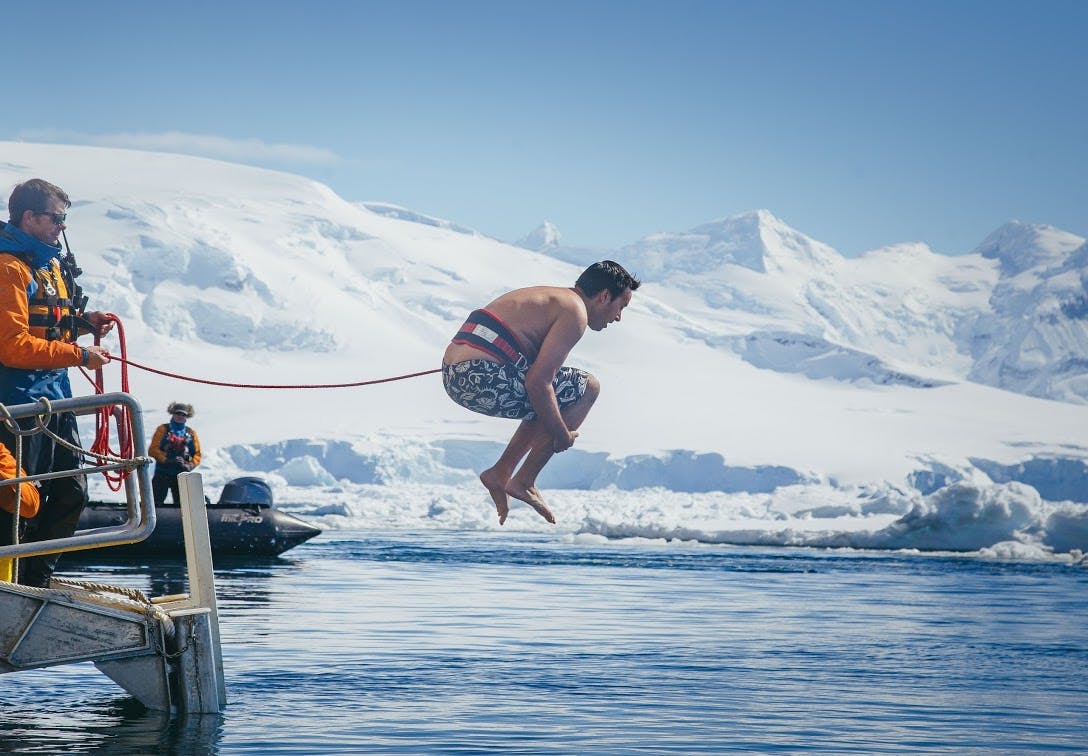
column 247, row 491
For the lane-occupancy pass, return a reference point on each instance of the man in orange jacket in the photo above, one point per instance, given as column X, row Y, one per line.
column 41, row 315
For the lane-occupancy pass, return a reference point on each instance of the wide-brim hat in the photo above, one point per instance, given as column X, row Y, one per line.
column 180, row 407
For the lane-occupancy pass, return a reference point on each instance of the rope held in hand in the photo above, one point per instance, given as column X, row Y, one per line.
column 209, row 382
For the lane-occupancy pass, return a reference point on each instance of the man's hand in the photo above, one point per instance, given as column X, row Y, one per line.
column 101, row 322
column 96, row 357
column 564, row 441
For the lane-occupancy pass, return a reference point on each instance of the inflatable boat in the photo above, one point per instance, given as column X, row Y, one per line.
column 243, row 522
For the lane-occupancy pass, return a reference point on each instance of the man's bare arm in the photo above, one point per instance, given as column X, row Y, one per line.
column 561, row 338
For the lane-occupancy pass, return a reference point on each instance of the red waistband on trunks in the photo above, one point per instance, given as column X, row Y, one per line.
column 487, row 332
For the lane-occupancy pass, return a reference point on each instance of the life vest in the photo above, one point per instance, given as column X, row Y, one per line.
column 177, row 444
column 55, row 304
column 174, row 451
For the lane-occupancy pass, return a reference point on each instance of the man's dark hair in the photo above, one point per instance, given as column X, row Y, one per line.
column 33, row 195
column 606, row 275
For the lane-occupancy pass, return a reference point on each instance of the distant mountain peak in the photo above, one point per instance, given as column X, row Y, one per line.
column 1023, row 246
column 543, row 237
column 761, row 217
column 756, row 240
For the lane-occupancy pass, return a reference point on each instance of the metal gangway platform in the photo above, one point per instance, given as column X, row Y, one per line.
column 164, row 651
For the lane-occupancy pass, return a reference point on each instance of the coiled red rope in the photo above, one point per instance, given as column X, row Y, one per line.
column 120, row 415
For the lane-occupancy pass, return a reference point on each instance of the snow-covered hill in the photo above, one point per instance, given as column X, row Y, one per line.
column 761, row 387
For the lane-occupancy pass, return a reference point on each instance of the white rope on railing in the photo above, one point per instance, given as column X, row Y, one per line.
column 41, row 425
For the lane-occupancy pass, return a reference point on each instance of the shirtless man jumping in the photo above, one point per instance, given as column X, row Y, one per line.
column 507, row 361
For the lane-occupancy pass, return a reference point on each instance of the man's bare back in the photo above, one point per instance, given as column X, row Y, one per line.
column 530, row 314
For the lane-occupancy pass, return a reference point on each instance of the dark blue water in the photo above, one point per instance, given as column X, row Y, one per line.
column 470, row 643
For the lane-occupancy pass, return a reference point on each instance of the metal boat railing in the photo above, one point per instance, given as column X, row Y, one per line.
column 141, row 511
column 165, row 651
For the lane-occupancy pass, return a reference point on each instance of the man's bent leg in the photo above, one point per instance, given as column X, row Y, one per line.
column 498, row 475
column 522, row 485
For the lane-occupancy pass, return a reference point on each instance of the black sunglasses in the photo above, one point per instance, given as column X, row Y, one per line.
column 57, row 218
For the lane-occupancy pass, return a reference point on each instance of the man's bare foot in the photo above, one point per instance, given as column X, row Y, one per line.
column 531, row 496
column 496, row 486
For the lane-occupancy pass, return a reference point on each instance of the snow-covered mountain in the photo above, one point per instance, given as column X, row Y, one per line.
column 1012, row 314
column 543, row 237
column 1034, row 336
column 761, row 388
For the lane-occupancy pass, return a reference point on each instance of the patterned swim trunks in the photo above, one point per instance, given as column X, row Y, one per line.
column 498, row 389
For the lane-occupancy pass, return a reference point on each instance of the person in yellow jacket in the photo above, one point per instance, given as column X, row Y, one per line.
column 176, row 449
column 41, row 315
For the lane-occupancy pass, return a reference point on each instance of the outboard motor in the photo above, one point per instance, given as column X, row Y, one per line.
column 243, row 523
column 246, row 492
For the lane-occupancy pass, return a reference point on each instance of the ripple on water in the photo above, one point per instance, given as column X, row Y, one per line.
column 444, row 643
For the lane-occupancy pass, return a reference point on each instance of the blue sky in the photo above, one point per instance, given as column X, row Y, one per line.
column 859, row 123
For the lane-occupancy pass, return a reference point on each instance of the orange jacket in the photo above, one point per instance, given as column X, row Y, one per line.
column 20, row 346
column 169, row 462
column 28, row 506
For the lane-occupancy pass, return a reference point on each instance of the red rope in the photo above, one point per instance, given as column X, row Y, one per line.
column 125, row 361
column 120, row 415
